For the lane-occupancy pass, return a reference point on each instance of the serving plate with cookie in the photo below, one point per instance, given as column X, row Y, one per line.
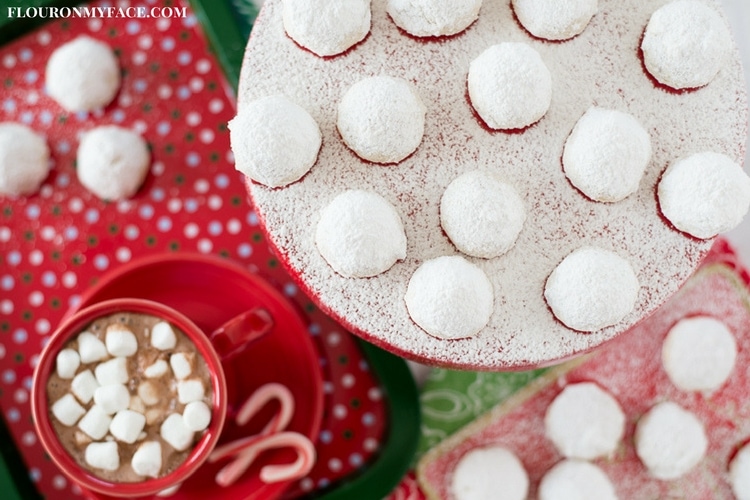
column 485, row 188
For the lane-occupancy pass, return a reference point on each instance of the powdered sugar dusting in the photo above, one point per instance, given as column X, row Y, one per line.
column 599, row 67
column 685, row 44
column 381, row 118
column 606, row 154
column 509, row 86
column 591, row 289
column 274, row 141
column 481, row 214
column 327, row 27
column 449, row 297
column 555, row 20
column 704, row 194
column 360, row 234
column 434, row 17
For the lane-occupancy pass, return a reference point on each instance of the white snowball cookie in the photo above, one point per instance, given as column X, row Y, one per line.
column 510, row 87
column 704, row 194
column 573, row 479
column 481, row 215
column 606, row 154
column 327, row 27
column 381, row 118
column 699, row 353
column 686, row 43
column 491, row 472
column 274, row 141
column 360, row 234
column 739, row 473
column 591, row 288
column 670, row 440
column 24, row 160
column 450, row 298
column 82, row 75
column 584, row 421
column 424, row 18
column 112, row 162
column 552, row 20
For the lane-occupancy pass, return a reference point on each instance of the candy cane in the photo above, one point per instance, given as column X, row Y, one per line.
column 262, row 396
column 272, row 473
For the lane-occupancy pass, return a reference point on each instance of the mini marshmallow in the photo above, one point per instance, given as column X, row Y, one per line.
column 120, row 340
column 148, row 393
column 181, row 365
column 189, row 391
column 82, row 439
column 127, row 425
column 114, row 371
column 103, row 456
column 112, row 398
column 83, row 386
column 175, row 432
column 153, row 415
column 67, row 410
column 95, row 423
column 90, row 348
column 136, row 404
column 147, row 459
column 162, row 336
column 68, row 362
column 197, row 415
column 157, row 369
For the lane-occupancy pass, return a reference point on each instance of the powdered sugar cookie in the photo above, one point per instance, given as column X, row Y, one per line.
column 360, row 234
column 24, row 160
column 490, row 472
column 573, row 479
column 327, row 27
column 285, row 141
column 555, row 20
column 670, row 440
column 449, row 297
column 698, row 353
column 585, row 421
column 686, row 44
column 112, row 162
column 606, row 154
column 381, row 119
column 591, row 288
column 83, row 74
column 433, row 17
column 510, row 87
column 739, row 473
column 481, row 214
column 704, row 194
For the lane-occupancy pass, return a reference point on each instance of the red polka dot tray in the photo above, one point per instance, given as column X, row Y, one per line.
column 57, row 244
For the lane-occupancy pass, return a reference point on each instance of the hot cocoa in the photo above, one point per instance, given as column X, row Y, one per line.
column 130, row 397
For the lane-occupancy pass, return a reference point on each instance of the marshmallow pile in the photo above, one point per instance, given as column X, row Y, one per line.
column 131, row 400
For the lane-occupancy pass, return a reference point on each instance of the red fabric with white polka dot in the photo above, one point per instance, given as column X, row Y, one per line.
column 56, row 243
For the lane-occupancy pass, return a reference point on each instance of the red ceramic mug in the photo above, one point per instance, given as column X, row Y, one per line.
column 226, row 341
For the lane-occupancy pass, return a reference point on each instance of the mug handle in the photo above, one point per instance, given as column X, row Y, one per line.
column 235, row 335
